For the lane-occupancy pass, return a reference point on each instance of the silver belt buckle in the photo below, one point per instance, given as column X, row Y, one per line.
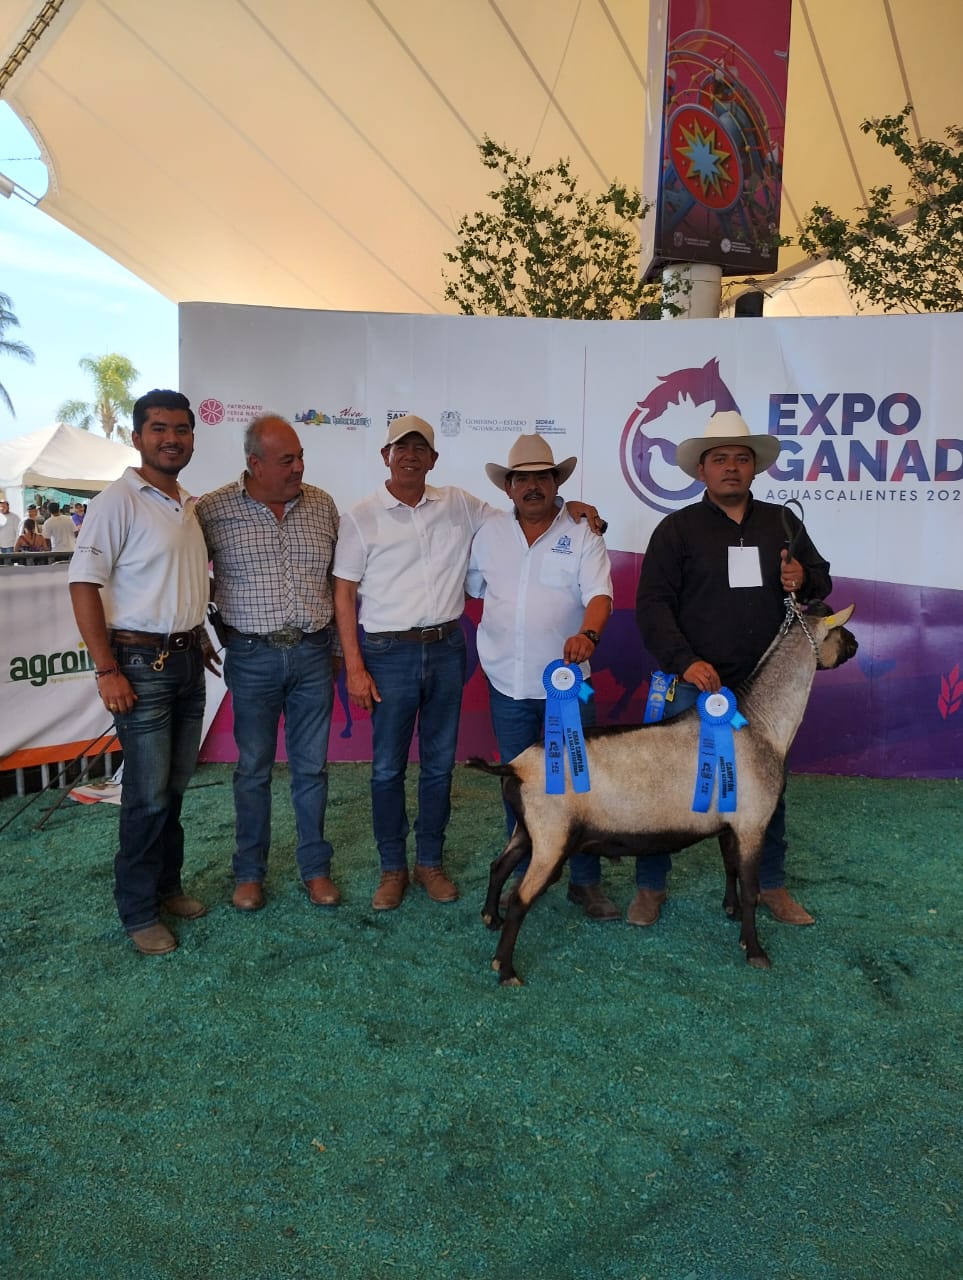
column 285, row 638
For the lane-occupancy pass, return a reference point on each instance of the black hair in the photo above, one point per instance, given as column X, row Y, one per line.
column 159, row 399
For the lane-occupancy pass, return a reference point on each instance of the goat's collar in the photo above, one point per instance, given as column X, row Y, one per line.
column 795, row 614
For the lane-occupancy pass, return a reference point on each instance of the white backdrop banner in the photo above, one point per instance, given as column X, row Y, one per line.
column 49, row 694
column 867, row 410
column 51, row 710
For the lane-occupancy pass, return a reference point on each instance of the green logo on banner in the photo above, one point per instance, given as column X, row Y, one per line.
column 41, row 667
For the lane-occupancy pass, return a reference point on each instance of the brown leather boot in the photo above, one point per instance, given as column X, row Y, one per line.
column 593, row 901
column 184, row 907
column 436, row 884
column 783, row 907
column 155, row 940
column 391, row 890
column 248, row 896
column 322, row 891
column 645, row 906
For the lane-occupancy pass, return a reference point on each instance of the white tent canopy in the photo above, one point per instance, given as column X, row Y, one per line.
column 60, row 457
column 318, row 153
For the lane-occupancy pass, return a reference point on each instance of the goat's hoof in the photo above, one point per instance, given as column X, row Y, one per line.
column 760, row 961
column 513, row 981
column 487, row 918
column 496, row 964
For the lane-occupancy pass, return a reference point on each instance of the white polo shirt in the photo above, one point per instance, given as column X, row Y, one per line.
column 409, row 562
column 535, row 596
column 147, row 551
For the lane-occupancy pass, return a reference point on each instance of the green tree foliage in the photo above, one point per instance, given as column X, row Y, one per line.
column 902, row 254
column 8, row 347
column 548, row 249
column 112, row 377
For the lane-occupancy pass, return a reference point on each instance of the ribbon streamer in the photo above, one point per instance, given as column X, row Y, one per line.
column 718, row 715
column 564, row 687
column 661, row 691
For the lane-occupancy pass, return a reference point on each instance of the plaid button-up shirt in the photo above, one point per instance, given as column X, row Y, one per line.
column 271, row 573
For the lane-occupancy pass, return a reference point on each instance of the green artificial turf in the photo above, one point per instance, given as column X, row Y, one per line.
column 307, row 1092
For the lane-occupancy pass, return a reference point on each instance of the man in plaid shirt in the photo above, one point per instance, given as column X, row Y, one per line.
column 271, row 539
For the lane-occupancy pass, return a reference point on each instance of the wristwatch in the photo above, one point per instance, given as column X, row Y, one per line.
column 592, row 635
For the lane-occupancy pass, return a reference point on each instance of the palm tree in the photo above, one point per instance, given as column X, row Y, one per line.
column 8, row 320
column 112, row 376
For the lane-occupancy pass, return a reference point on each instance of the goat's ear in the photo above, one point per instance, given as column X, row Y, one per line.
column 839, row 619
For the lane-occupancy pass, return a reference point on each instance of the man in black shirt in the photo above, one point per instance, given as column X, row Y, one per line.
column 710, row 601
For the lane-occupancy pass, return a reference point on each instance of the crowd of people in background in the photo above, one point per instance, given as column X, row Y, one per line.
column 46, row 527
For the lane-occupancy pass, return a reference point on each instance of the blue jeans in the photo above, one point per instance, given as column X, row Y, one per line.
column 160, row 737
column 265, row 683
column 423, row 682
column 520, row 723
column 652, row 871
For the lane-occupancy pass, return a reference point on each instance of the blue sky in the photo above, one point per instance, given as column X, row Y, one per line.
column 71, row 301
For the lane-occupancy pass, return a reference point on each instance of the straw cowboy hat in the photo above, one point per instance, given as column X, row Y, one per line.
column 530, row 453
column 726, row 428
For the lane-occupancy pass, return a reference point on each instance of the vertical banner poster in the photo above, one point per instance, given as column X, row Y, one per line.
column 722, row 132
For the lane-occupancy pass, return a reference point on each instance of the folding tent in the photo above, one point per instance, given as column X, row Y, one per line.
column 60, row 457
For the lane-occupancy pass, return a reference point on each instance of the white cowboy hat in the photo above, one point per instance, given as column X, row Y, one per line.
column 530, row 453
column 726, row 428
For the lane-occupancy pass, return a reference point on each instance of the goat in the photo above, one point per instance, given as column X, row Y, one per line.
column 642, row 780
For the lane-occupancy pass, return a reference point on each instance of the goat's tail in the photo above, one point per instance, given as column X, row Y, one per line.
column 499, row 770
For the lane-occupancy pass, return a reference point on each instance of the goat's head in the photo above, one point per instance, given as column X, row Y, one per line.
column 834, row 644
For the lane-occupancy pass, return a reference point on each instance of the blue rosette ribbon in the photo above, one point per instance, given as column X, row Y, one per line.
column 718, row 715
column 564, row 687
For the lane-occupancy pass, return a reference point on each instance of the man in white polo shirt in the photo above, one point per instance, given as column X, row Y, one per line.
column 139, row 588
column 404, row 550
column 547, row 587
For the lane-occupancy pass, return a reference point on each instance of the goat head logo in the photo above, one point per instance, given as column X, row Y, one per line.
column 649, row 460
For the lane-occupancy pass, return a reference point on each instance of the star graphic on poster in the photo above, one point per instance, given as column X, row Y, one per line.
column 707, row 160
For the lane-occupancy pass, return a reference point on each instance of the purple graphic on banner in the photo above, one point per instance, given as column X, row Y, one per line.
column 888, row 714
column 648, row 459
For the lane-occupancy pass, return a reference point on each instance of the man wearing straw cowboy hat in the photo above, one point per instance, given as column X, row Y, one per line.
column 547, row 586
column 710, row 600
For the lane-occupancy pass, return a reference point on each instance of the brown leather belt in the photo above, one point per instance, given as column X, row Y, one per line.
column 419, row 635
column 173, row 643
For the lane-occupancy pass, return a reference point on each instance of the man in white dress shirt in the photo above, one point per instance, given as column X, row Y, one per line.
column 547, row 587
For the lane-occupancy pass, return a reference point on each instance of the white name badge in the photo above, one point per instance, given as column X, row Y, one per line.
column 744, row 567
